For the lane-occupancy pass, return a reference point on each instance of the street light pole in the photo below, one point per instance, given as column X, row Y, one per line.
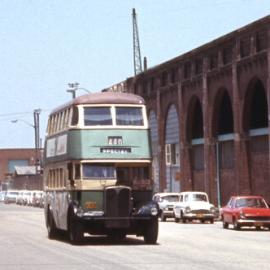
column 73, row 87
column 37, row 137
column 36, row 114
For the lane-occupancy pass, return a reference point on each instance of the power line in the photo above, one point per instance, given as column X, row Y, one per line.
column 21, row 113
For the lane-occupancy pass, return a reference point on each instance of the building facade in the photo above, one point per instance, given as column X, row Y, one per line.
column 209, row 115
column 10, row 159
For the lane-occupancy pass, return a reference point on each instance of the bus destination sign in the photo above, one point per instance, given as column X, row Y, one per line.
column 115, row 150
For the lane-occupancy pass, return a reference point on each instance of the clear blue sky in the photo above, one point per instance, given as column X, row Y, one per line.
column 45, row 44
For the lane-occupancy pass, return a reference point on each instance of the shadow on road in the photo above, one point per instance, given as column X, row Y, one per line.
column 102, row 240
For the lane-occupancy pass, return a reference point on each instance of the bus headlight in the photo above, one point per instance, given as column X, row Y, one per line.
column 154, row 211
column 188, row 210
column 79, row 212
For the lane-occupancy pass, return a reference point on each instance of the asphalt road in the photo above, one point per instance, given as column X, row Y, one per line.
column 24, row 245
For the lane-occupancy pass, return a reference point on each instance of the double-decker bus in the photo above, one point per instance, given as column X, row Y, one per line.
column 97, row 169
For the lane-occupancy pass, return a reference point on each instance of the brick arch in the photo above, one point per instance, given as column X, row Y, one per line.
column 164, row 117
column 171, row 139
column 194, row 114
column 194, row 130
column 151, row 109
column 255, row 126
column 255, row 87
column 222, row 95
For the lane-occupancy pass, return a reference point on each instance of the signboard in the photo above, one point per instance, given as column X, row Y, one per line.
column 56, row 146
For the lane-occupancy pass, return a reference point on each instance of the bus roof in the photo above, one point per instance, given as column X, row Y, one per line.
column 103, row 98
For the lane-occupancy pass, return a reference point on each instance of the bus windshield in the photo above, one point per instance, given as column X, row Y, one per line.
column 95, row 116
column 93, row 171
column 129, row 116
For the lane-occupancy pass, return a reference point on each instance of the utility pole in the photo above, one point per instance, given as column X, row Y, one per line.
column 136, row 46
column 74, row 87
column 37, row 138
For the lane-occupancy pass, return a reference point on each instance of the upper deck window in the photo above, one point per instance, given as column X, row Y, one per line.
column 129, row 116
column 95, row 116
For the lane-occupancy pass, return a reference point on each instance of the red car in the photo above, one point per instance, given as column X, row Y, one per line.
column 246, row 211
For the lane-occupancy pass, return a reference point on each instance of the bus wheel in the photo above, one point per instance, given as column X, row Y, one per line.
column 51, row 227
column 75, row 231
column 151, row 232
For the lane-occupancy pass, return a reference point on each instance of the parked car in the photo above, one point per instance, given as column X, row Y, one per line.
column 19, row 199
column 26, row 197
column 11, row 196
column 2, row 196
column 38, row 198
column 166, row 203
column 243, row 211
column 194, row 205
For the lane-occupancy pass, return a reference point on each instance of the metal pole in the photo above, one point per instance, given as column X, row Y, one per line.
column 37, row 137
column 73, row 87
column 218, row 173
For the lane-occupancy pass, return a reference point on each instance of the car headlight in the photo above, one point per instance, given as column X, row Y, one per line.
column 242, row 214
column 212, row 209
column 154, row 211
column 188, row 210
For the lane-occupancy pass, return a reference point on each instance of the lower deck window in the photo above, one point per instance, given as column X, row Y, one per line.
column 91, row 171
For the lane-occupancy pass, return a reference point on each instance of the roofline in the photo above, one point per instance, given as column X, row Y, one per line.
column 209, row 44
column 103, row 98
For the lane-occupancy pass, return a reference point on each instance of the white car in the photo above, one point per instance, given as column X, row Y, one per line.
column 166, row 203
column 11, row 196
column 194, row 205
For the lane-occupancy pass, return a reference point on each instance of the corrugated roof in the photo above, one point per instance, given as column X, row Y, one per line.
column 25, row 170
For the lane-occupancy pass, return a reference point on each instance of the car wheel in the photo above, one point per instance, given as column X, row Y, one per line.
column 151, row 232
column 75, row 230
column 162, row 217
column 212, row 221
column 225, row 224
column 176, row 219
column 236, row 225
column 182, row 218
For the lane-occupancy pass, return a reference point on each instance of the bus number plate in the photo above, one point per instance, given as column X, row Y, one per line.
column 90, row 205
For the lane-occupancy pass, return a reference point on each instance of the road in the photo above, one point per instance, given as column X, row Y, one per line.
column 24, row 245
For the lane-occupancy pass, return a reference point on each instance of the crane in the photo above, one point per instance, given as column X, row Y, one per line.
column 136, row 45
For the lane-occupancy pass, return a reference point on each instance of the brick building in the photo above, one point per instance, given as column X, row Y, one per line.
column 208, row 112
column 11, row 176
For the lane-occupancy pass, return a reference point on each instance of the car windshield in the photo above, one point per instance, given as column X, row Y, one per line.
column 170, row 198
column 250, row 202
column 198, row 197
column 98, row 171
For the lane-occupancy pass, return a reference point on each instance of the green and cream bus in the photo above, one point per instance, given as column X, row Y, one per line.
column 97, row 169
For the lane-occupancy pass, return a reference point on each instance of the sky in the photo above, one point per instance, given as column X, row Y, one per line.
column 46, row 44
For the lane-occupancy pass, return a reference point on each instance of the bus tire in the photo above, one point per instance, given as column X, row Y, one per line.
column 75, row 230
column 51, row 227
column 151, row 232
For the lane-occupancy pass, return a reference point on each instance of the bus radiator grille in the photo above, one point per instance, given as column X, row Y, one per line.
column 117, row 207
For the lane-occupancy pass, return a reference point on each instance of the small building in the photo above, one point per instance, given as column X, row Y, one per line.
column 25, row 177
column 16, row 157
